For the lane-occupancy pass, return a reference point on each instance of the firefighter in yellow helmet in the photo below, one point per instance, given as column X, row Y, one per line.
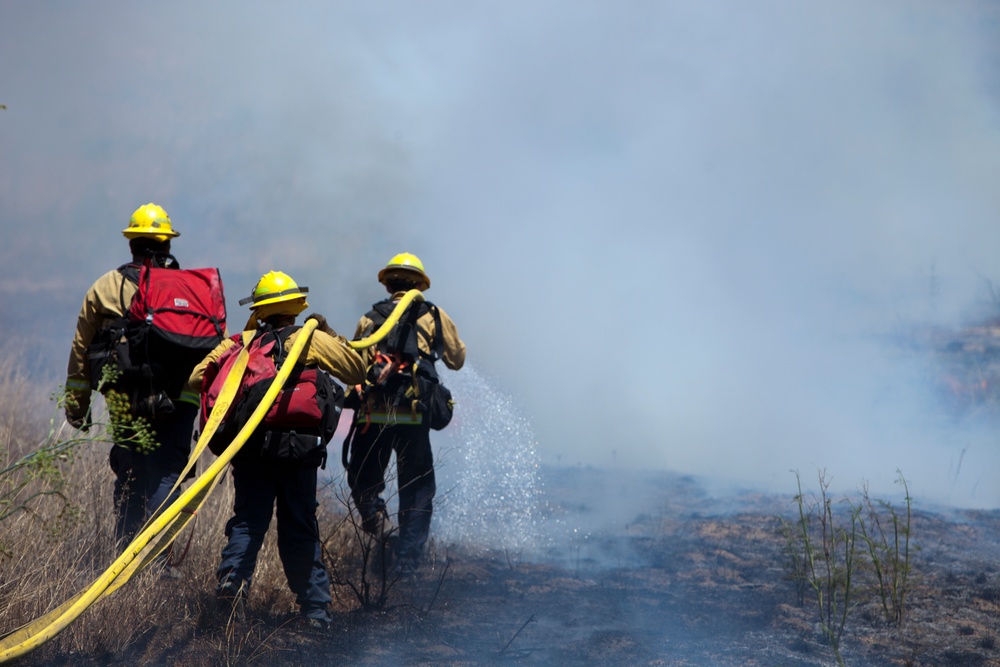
column 143, row 479
column 400, row 402
column 276, row 466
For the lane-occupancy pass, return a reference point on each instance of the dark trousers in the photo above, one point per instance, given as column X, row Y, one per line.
column 370, row 453
column 259, row 487
column 144, row 480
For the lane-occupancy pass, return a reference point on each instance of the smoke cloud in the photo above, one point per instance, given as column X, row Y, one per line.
column 679, row 235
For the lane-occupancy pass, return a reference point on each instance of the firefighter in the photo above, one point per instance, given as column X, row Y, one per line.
column 383, row 424
column 144, row 476
column 263, row 478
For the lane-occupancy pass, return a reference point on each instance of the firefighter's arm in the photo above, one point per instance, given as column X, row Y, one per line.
column 453, row 354
column 78, row 370
column 194, row 381
column 334, row 355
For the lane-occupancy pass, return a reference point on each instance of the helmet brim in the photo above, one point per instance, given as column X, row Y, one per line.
column 293, row 307
column 277, row 299
column 149, row 232
column 389, row 270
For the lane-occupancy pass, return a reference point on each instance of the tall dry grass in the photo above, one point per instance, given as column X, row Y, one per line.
column 56, row 545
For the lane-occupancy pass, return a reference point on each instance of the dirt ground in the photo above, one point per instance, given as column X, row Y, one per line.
column 692, row 581
column 695, row 581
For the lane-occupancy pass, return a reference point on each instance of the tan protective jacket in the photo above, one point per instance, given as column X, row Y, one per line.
column 452, row 354
column 329, row 353
column 106, row 300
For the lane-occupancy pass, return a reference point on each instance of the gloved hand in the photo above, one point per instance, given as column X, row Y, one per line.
column 321, row 324
column 79, row 423
column 77, row 409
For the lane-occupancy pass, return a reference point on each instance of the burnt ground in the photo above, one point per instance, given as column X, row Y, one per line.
column 689, row 579
column 692, row 581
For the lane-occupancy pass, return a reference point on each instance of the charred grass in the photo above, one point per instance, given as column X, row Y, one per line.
column 692, row 581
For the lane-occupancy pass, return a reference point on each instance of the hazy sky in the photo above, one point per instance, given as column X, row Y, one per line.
column 678, row 234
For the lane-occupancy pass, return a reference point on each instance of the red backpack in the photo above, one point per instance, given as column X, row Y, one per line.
column 302, row 418
column 184, row 307
column 175, row 318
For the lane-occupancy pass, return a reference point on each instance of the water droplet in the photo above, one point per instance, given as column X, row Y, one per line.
column 486, row 467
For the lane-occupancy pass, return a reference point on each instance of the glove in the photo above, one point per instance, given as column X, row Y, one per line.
column 321, row 324
column 76, row 408
column 79, row 423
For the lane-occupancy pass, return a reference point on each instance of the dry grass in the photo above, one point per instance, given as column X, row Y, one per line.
column 696, row 583
column 56, row 546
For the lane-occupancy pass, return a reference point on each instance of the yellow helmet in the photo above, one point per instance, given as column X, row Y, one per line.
column 405, row 265
column 150, row 221
column 275, row 287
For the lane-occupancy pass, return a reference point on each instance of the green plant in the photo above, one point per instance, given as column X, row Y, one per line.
column 27, row 478
column 32, row 471
column 829, row 559
column 887, row 535
column 124, row 427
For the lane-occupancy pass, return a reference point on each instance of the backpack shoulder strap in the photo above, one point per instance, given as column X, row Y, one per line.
column 380, row 312
column 378, row 315
column 437, row 344
column 130, row 272
column 406, row 328
column 280, row 336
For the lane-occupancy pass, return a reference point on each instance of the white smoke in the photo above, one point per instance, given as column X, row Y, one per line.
column 678, row 233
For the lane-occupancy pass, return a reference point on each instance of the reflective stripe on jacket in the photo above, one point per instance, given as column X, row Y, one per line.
column 395, row 418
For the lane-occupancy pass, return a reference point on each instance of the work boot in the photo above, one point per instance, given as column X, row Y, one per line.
column 317, row 618
column 378, row 522
column 406, row 566
column 231, row 599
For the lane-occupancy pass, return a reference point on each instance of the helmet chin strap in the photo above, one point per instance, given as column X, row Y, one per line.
column 165, row 260
column 157, row 252
column 161, row 259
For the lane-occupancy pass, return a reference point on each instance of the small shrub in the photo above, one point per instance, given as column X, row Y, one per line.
column 845, row 557
column 886, row 532
column 828, row 555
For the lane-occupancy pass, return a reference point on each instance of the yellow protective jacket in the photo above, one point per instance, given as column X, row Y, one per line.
column 106, row 300
column 452, row 354
column 330, row 353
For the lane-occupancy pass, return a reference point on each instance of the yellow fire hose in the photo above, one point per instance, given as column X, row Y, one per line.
column 167, row 522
